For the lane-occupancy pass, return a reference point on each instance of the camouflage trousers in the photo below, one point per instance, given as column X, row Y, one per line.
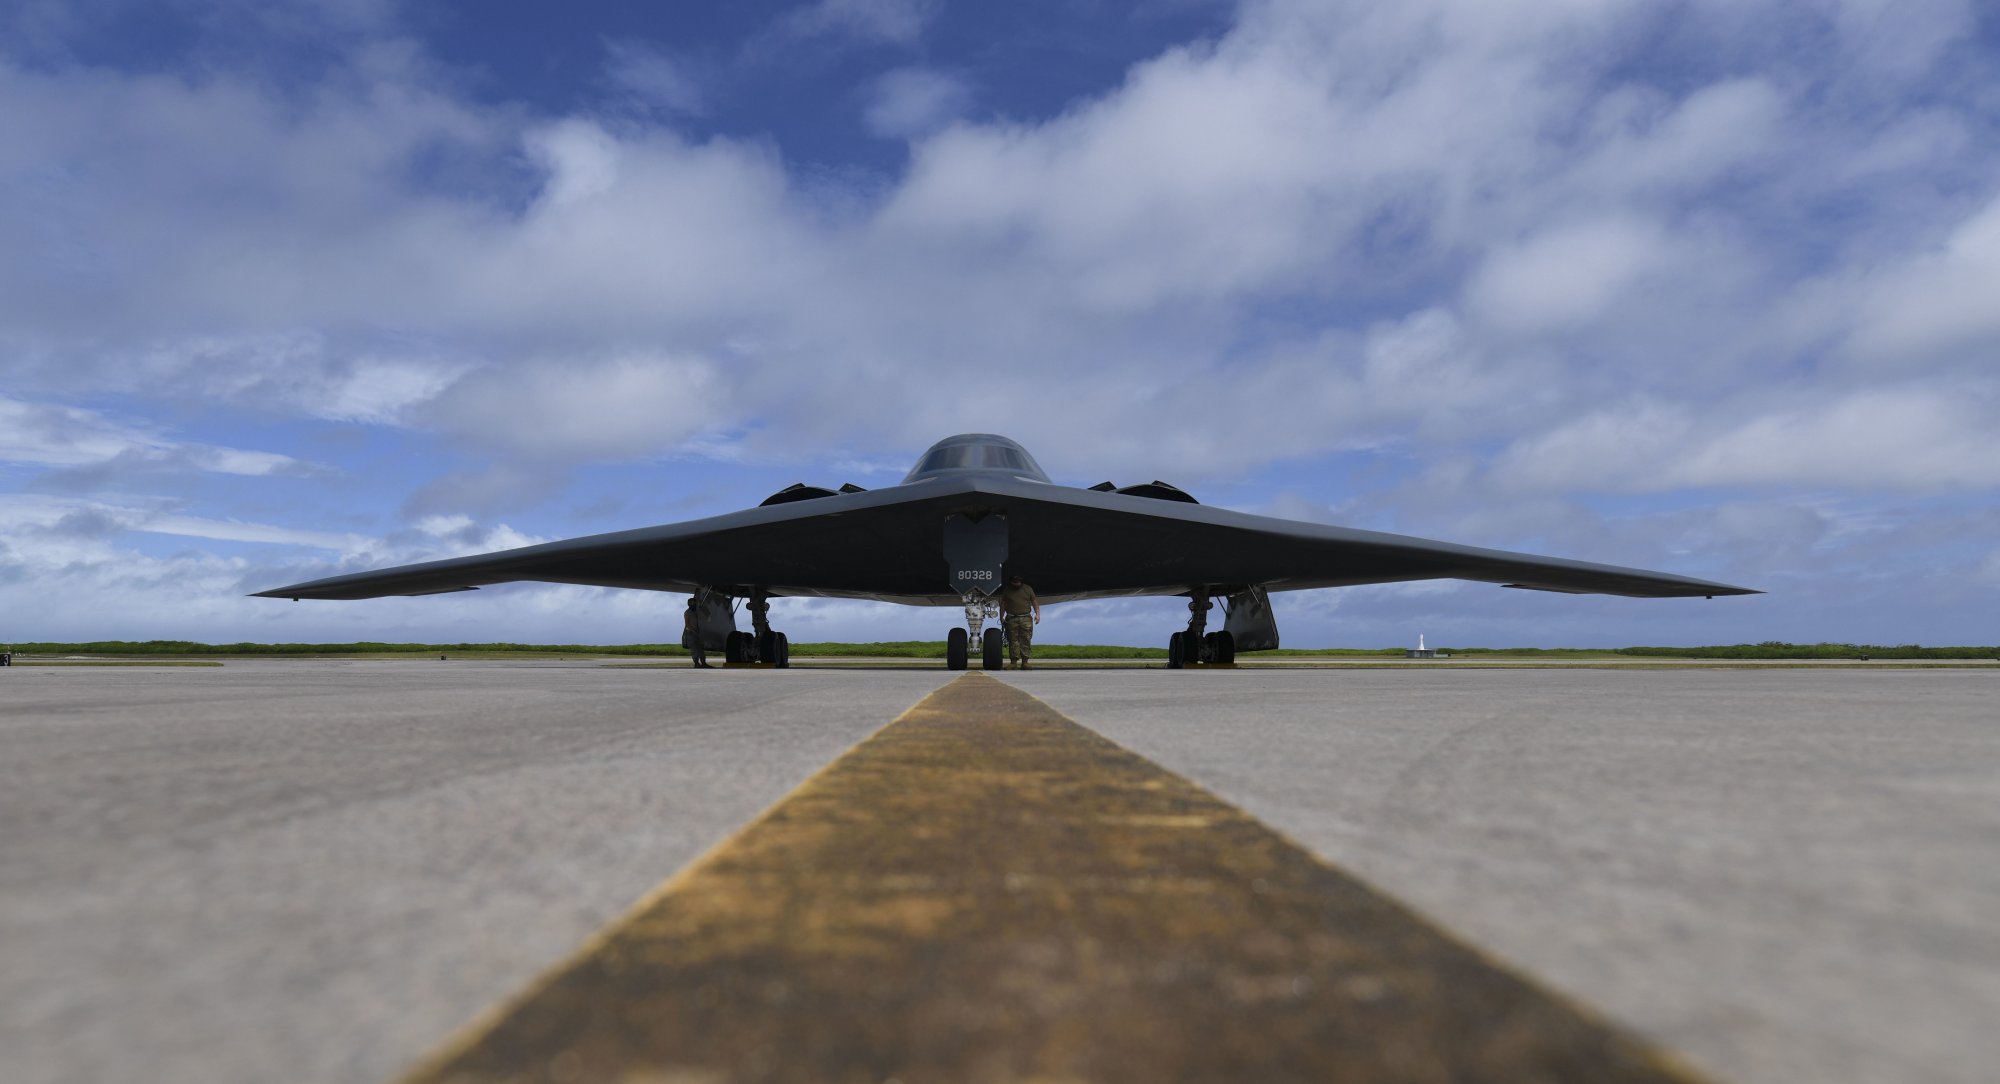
column 1020, row 637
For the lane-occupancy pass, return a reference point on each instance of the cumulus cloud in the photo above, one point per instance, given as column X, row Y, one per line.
column 911, row 102
column 1443, row 162
column 1567, row 275
column 1940, row 301
column 1906, row 438
column 619, row 408
column 1545, row 248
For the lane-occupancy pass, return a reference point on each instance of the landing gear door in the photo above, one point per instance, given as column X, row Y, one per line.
column 718, row 620
column 974, row 552
column 1250, row 621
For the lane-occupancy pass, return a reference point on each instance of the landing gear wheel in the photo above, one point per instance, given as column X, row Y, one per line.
column 954, row 650
column 736, row 647
column 1219, row 647
column 1176, row 653
column 989, row 650
column 781, row 651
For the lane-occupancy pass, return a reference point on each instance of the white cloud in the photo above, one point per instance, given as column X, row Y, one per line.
column 1653, row 143
column 627, row 406
column 1914, row 439
column 67, row 519
column 1911, row 438
column 380, row 389
column 579, row 159
column 1523, row 234
column 461, row 534
column 63, row 436
column 1204, row 178
column 50, row 434
column 1941, row 301
column 1568, row 275
column 1901, row 38
column 643, row 71
column 1407, row 162
column 911, row 102
column 899, row 21
column 1632, row 445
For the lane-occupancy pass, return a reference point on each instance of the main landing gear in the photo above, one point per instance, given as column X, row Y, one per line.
column 958, row 643
column 1196, row 645
column 755, row 648
column 761, row 646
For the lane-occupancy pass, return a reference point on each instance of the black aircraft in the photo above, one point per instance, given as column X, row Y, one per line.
column 975, row 509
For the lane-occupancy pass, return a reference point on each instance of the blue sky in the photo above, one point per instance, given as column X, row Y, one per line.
column 1704, row 286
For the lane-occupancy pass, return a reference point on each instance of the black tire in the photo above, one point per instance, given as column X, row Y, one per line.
column 1176, row 651
column 767, row 647
column 1225, row 646
column 990, row 651
column 733, row 647
column 781, row 656
column 954, row 650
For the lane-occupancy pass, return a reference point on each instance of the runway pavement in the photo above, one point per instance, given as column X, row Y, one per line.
column 1783, row 875
column 322, row 870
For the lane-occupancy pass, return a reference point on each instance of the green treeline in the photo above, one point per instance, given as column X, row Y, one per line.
column 189, row 647
column 934, row 649
column 910, row 649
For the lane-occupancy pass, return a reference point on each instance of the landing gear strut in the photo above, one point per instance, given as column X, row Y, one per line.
column 958, row 644
column 772, row 647
column 762, row 644
column 1197, row 645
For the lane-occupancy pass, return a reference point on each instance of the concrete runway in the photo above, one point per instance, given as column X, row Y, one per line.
column 321, row 870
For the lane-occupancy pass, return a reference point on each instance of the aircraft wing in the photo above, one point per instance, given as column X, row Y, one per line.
column 887, row 544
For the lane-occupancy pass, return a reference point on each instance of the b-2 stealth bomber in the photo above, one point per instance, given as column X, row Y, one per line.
column 975, row 509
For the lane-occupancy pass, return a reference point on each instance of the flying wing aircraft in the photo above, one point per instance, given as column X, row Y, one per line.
column 976, row 509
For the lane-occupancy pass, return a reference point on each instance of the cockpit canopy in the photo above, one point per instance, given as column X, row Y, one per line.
column 977, row 451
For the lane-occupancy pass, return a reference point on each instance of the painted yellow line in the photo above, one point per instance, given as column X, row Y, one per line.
column 986, row 891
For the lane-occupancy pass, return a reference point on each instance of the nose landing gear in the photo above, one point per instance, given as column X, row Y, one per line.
column 958, row 643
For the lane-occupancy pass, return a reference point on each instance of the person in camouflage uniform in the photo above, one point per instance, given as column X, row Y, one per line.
column 691, row 634
column 1020, row 611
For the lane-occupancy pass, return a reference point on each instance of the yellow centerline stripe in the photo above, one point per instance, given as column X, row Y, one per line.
column 986, row 891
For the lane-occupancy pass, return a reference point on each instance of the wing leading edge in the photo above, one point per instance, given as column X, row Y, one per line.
column 885, row 545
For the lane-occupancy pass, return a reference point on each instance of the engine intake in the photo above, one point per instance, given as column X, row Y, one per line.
column 1156, row 489
column 799, row 491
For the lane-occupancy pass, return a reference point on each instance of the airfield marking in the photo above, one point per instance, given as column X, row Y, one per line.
column 987, row 891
